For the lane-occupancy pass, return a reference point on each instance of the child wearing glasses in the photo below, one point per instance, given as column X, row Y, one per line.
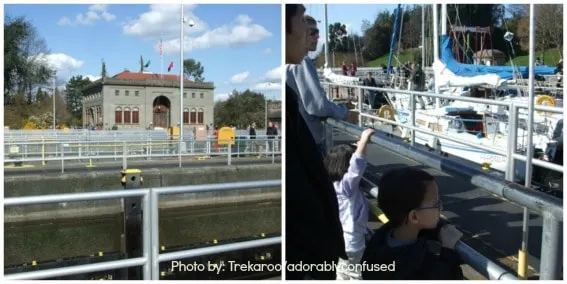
column 346, row 168
column 409, row 198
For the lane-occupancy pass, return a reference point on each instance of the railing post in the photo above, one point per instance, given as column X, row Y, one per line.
column 62, row 157
column 551, row 248
column 124, row 156
column 133, row 241
column 359, row 107
column 229, row 150
column 412, row 103
column 42, row 151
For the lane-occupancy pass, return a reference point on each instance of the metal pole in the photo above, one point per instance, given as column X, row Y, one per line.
column 522, row 259
column 54, row 88
column 436, row 51
column 443, row 19
column 326, row 39
column 551, row 251
column 422, row 36
column 181, row 75
column 510, row 175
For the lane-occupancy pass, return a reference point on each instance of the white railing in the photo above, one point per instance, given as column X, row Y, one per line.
column 151, row 258
column 90, row 151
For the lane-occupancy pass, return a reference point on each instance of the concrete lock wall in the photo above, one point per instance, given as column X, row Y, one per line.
column 58, row 231
column 103, row 181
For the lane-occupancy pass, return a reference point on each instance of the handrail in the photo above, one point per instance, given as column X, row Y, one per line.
column 479, row 262
column 150, row 199
column 551, row 208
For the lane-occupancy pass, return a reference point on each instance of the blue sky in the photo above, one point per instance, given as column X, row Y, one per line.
column 239, row 45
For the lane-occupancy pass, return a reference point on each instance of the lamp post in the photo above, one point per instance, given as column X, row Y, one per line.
column 54, row 82
column 181, row 71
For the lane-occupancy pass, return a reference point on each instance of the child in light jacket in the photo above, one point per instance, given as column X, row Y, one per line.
column 346, row 168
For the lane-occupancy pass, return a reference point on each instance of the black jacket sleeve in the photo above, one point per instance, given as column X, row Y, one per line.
column 313, row 229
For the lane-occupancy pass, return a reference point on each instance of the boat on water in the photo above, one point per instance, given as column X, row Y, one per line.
column 476, row 123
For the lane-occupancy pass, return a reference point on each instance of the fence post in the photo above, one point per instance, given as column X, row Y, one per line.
column 551, row 248
column 132, row 179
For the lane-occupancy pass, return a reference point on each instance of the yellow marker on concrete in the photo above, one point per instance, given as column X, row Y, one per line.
column 215, row 241
column 100, row 253
column 34, row 263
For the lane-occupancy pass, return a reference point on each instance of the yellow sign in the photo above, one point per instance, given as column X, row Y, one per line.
column 226, row 136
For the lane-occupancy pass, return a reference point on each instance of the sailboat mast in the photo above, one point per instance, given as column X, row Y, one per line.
column 422, row 35
column 326, row 39
column 436, row 53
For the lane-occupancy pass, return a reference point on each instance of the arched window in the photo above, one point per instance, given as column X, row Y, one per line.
column 200, row 116
column 135, row 115
column 126, row 115
column 186, row 116
column 118, row 115
column 193, row 116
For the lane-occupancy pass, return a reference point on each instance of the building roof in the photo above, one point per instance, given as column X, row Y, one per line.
column 127, row 75
column 489, row 53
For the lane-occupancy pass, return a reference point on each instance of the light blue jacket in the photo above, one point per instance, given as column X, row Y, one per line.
column 313, row 103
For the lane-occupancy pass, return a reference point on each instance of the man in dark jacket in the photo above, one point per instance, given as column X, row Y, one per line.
column 313, row 230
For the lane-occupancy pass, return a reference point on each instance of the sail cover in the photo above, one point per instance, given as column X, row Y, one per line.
column 472, row 70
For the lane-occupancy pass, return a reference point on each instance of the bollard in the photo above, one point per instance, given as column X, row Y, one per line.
column 132, row 179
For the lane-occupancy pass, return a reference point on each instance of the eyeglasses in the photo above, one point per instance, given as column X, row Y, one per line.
column 438, row 205
column 313, row 32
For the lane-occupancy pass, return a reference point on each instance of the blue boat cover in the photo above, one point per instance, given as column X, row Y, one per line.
column 471, row 70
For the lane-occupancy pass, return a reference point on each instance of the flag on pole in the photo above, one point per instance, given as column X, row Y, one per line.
column 170, row 66
column 148, row 64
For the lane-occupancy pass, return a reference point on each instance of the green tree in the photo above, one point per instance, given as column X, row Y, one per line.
column 74, row 95
column 337, row 37
column 103, row 72
column 241, row 109
column 193, row 68
column 25, row 65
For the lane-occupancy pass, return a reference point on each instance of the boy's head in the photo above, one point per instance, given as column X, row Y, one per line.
column 409, row 196
column 338, row 160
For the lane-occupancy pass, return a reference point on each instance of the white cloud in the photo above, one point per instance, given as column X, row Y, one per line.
column 239, row 78
column 92, row 77
column 267, row 51
column 274, row 75
column 222, row 97
column 238, row 33
column 95, row 12
column 163, row 20
column 65, row 65
column 267, row 86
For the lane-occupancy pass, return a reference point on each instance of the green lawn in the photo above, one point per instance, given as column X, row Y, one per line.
column 550, row 58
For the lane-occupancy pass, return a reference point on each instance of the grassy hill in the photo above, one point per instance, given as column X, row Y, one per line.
column 551, row 58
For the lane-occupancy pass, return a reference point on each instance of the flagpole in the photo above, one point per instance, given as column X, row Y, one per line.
column 161, row 56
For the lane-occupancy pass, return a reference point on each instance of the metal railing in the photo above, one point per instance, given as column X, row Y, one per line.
column 480, row 263
column 89, row 151
column 151, row 258
column 512, row 135
column 551, row 208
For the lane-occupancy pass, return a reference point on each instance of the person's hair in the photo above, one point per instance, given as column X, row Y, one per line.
column 400, row 191
column 291, row 10
column 337, row 161
column 309, row 20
